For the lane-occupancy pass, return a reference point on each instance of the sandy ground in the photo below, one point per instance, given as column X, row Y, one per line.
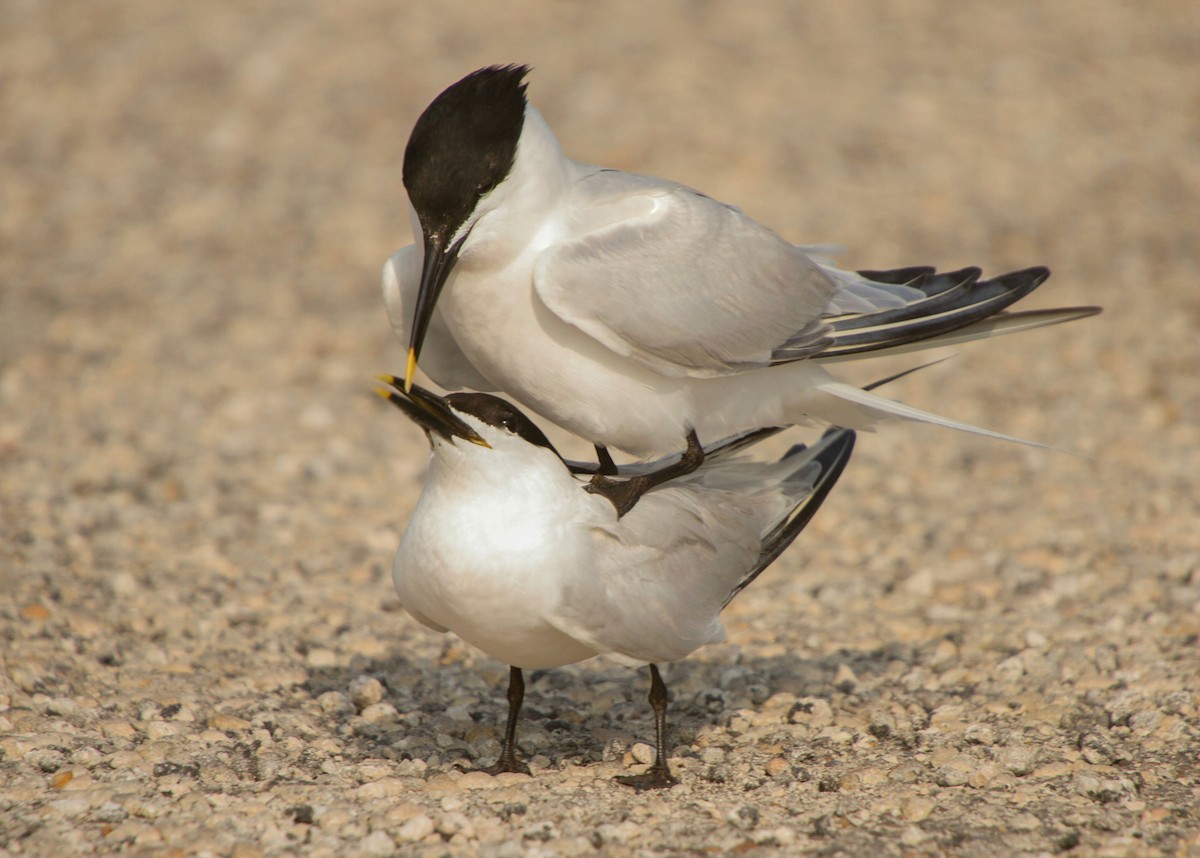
column 977, row 649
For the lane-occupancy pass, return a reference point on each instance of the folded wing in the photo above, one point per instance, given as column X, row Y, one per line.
column 678, row 281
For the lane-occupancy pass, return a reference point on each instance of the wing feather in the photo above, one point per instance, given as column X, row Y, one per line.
column 662, row 575
column 664, row 571
column 678, row 281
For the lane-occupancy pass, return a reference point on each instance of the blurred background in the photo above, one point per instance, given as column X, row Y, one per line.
column 196, row 201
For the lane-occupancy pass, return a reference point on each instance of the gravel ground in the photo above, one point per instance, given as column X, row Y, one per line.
column 977, row 649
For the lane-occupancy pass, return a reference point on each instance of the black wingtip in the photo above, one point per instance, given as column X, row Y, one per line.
column 839, row 445
column 900, row 276
column 1039, row 273
column 896, row 376
column 965, row 301
column 833, row 460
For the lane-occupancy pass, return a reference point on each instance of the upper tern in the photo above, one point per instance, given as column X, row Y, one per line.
column 507, row 550
column 636, row 312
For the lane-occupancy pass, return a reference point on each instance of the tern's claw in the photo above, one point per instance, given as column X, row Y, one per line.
column 656, row 777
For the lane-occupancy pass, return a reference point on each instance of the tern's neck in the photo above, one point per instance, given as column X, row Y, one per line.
column 513, row 485
column 523, row 210
column 508, row 468
column 540, row 160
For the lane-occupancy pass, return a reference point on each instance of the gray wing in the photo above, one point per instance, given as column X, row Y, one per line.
column 692, row 287
column 947, row 307
column 679, row 281
column 825, row 462
column 665, row 571
column 662, row 575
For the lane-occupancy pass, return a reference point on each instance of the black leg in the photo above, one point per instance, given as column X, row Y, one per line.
column 607, row 465
column 658, row 776
column 507, row 761
column 624, row 494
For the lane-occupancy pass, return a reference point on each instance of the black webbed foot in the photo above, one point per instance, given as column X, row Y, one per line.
column 508, row 761
column 625, row 493
column 622, row 494
column 502, row 765
column 656, row 777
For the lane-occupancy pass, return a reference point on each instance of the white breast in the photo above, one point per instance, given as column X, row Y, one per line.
column 486, row 564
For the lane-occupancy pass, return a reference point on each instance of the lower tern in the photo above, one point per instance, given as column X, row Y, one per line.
column 507, row 550
column 639, row 313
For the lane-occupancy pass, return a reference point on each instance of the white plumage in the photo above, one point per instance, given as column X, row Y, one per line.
column 630, row 309
column 507, row 550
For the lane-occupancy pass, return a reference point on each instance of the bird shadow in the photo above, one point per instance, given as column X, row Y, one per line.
column 451, row 712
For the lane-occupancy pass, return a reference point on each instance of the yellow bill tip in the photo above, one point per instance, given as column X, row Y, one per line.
column 383, row 392
column 410, row 370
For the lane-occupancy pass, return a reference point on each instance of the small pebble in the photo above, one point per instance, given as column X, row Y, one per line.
column 642, row 753
column 336, row 703
column 949, row 777
column 321, row 657
column 365, row 691
column 417, row 828
column 62, row 706
column 811, row 711
column 224, row 721
column 917, row 808
column 378, row 843
column 777, row 766
column 1018, row 759
column 477, row 780
column 450, row 824
column 539, row 832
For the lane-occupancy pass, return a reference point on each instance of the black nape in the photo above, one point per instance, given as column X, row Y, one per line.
column 463, row 145
column 502, row 414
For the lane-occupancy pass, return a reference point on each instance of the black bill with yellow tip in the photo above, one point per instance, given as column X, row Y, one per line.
column 439, row 260
column 428, row 410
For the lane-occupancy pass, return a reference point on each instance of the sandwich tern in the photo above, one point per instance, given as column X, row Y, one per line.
column 507, row 550
column 639, row 313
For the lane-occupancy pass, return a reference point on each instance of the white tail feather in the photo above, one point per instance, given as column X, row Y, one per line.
column 879, row 408
column 994, row 326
